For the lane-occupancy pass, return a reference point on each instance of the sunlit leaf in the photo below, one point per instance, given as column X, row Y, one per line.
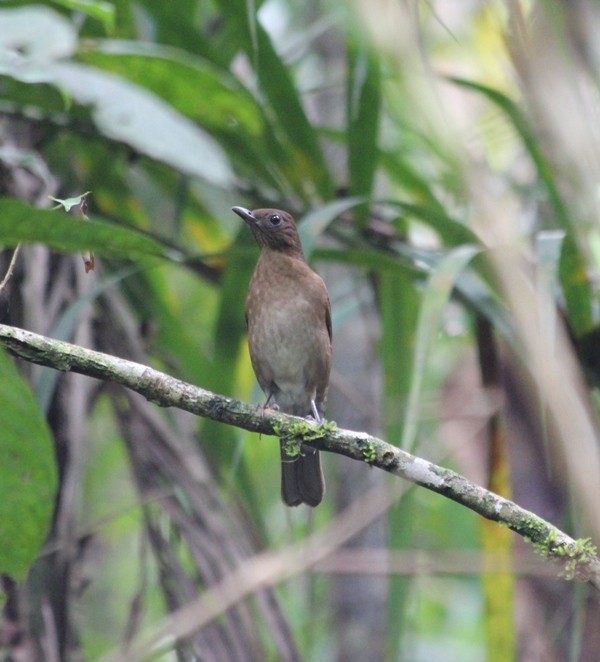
column 30, row 37
column 128, row 113
column 121, row 110
column 171, row 73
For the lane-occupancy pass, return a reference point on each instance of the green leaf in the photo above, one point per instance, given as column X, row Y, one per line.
column 125, row 112
column 121, row 110
column 437, row 292
column 368, row 258
column 399, row 305
column 576, row 287
column 531, row 144
column 452, row 232
column 98, row 9
column 363, row 105
column 417, row 186
column 225, row 108
column 295, row 140
column 21, row 223
column 313, row 224
column 230, row 329
column 28, row 477
column 277, row 84
column 170, row 73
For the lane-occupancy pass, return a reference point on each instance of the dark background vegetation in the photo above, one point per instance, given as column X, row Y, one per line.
column 442, row 161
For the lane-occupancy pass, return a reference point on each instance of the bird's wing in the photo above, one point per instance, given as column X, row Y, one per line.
column 328, row 318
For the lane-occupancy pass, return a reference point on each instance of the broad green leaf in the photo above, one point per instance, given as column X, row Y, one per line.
column 277, row 85
column 28, row 475
column 221, row 101
column 182, row 26
column 121, row 110
column 470, row 286
column 368, row 258
column 127, row 113
column 229, row 332
column 21, row 223
column 231, row 324
column 436, row 294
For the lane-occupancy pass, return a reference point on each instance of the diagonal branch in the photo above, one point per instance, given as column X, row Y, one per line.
column 578, row 556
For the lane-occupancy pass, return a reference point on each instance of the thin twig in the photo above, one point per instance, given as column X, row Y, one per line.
column 11, row 267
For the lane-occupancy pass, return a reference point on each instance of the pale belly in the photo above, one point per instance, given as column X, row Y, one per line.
column 288, row 352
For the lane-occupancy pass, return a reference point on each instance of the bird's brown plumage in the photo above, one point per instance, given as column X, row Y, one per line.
column 289, row 336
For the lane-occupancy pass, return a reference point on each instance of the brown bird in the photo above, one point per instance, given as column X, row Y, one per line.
column 289, row 336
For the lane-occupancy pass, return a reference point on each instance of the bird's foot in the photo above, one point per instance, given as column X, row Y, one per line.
column 274, row 406
column 263, row 408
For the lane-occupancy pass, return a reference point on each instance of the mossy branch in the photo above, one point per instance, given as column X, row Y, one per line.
column 578, row 557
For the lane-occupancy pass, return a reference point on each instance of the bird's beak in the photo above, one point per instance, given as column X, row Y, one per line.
column 245, row 214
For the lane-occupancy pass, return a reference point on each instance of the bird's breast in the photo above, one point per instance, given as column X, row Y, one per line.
column 286, row 333
column 288, row 340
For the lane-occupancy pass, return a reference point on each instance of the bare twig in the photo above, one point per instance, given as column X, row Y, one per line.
column 11, row 267
column 578, row 556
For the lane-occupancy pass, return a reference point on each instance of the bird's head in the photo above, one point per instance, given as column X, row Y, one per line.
column 272, row 228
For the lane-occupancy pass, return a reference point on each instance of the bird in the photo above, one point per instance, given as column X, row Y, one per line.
column 288, row 318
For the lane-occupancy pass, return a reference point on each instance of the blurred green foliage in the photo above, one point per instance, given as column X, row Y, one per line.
column 170, row 113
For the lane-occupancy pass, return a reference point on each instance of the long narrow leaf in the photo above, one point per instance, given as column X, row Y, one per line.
column 21, row 223
column 313, row 224
column 435, row 297
column 306, row 162
column 363, row 106
column 530, row 142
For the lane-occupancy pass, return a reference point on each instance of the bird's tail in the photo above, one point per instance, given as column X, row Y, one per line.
column 302, row 477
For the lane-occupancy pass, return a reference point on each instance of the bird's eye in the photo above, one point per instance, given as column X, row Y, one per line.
column 275, row 219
